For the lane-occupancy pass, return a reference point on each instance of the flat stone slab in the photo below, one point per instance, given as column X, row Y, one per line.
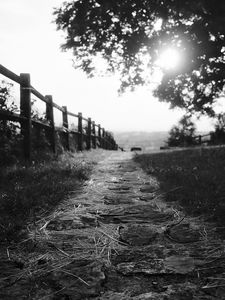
column 138, row 235
column 182, row 291
column 147, row 197
column 76, row 221
column 184, row 233
column 118, row 199
column 149, row 188
column 170, row 265
column 136, row 214
column 119, row 188
column 129, row 169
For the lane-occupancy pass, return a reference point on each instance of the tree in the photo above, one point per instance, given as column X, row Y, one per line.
column 218, row 136
column 183, row 133
column 130, row 34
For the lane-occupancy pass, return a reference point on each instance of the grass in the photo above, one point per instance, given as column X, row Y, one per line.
column 36, row 259
column 29, row 193
column 195, row 178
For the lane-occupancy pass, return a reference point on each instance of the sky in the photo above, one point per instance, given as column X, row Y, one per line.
column 29, row 43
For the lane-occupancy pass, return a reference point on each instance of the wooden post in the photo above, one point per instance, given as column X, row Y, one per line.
column 103, row 139
column 89, row 134
column 80, row 131
column 66, row 126
column 94, row 135
column 99, row 136
column 200, row 139
column 113, row 143
column 107, row 141
column 25, row 111
column 50, row 119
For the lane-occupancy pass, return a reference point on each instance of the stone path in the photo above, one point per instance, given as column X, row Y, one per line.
column 117, row 239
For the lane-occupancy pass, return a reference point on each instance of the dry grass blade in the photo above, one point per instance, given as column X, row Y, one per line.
column 216, row 278
column 68, row 273
column 212, row 252
column 213, row 286
column 63, row 252
column 45, row 225
column 112, row 238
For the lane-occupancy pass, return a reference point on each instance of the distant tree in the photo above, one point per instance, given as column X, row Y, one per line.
column 183, row 133
column 129, row 35
column 218, row 135
column 220, row 123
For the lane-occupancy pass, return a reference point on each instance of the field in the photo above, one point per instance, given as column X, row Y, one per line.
column 144, row 139
column 194, row 178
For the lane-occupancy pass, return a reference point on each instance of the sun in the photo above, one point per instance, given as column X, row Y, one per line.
column 169, row 59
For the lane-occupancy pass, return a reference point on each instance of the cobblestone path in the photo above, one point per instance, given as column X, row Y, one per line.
column 117, row 239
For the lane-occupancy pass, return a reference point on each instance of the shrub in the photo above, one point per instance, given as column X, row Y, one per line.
column 9, row 131
column 183, row 133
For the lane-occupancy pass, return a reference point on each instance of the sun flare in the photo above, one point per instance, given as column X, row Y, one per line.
column 169, row 59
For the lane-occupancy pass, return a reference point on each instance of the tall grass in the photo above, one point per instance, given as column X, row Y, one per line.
column 27, row 193
column 195, row 178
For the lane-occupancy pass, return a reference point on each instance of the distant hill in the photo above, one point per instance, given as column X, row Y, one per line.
column 146, row 140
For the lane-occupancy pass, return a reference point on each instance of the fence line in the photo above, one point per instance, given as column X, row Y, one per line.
column 102, row 138
column 199, row 138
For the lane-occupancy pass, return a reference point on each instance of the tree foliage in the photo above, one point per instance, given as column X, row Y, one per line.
column 183, row 133
column 218, row 135
column 9, row 134
column 10, row 131
column 124, row 34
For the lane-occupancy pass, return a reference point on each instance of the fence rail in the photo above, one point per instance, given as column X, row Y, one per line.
column 200, row 138
column 88, row 137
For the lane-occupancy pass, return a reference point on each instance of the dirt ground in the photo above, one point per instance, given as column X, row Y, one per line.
column 116, row 239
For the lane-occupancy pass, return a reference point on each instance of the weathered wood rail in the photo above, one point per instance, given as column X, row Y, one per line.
column 87, row 137
column 202, row 139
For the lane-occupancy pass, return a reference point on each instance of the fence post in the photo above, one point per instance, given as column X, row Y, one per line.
column 107, row 141
column 200, row 139
column 99, row 136
column 50, row 119
column 110, row 142
column 89, row 134
column 103, row 139
column 94, row 135
column 25, row 111
column 66, row 125
column 80, row 131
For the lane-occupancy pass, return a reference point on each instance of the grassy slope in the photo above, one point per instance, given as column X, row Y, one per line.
column 197, row 177
column 30, row 193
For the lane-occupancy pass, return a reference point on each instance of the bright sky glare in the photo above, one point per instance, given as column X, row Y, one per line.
column 29, row 43
column 169, row 59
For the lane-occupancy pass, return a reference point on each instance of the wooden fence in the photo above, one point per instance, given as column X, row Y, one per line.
column 203, row 139
column 93, row 135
